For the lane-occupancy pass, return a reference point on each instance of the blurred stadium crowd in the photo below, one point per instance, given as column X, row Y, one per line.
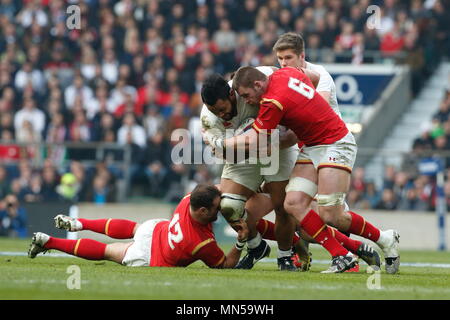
column 132, row 73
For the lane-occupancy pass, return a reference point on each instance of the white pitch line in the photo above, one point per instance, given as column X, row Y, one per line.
column 24, row 254
column 268, row 260
column 404, row 264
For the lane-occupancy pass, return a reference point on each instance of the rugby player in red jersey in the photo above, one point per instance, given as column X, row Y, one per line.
column 290, row 52
column 186, row 238
column 288, row 98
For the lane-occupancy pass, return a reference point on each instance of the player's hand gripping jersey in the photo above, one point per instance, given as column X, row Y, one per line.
column 290, row 100
column 181, row 241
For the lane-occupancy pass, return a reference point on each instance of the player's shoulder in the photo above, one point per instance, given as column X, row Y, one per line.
column 286, row 71
column 318, row 68
column 184, row 204
column 277, row 90
column 284, row 74
column 280, row 78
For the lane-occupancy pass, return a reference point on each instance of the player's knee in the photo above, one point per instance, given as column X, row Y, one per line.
column 289, row 205
column 331, row 207
column 232, row 207
column 296, row 205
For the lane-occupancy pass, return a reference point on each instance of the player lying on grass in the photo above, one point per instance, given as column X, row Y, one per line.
column 186, row 238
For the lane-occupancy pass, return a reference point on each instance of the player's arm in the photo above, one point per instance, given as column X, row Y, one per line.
column 233, row 256
column 313, row 76
column 214, row 257
column 212, row 133
column 325, row 85
column 270, row 114
column 242, row 142
column 287, row 138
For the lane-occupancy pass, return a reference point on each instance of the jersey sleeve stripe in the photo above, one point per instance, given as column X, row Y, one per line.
column 201, row 245
column 275, row 102
column 220, row 261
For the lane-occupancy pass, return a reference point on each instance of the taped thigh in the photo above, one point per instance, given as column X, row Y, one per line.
column 334, row 199
column 232, row 207
column 303, row 185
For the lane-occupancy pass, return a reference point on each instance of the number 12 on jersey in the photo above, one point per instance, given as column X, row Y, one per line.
column 301, row 87
column 177, row 236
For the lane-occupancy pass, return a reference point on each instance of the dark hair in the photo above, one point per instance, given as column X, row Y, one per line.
column 215, row 87
column 204, row 195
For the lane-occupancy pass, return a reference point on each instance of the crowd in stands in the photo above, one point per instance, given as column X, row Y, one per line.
column 407, row 187
column 400, row 190
column 131, row 74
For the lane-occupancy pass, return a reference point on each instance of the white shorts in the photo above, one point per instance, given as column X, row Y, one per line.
column 139, row 253
column 341, row 154
column 252, row 175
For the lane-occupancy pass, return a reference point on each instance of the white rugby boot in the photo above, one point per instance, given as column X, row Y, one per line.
column 388, row 242
column 37, row 244
column 67, row 223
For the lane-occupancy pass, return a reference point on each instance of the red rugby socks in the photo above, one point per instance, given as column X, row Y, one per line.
column 83, row 248
column 267, row 230
column 317, row 229
column 114, row 228
column 345, row 241
column 361, row 227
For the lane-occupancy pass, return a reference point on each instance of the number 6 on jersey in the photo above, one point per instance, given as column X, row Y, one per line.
column 301, row 87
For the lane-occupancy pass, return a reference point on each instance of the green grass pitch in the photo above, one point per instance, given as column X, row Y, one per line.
column 47, row 277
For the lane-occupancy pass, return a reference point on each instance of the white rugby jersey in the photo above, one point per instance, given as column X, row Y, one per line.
column 326, row 83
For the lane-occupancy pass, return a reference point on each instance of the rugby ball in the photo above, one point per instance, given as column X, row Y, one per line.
column 244, row 126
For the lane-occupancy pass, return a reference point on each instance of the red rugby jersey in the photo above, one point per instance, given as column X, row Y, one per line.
column 181, row 241
column 290, row 100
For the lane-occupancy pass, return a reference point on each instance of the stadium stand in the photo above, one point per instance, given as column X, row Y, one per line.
column 78, row 104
